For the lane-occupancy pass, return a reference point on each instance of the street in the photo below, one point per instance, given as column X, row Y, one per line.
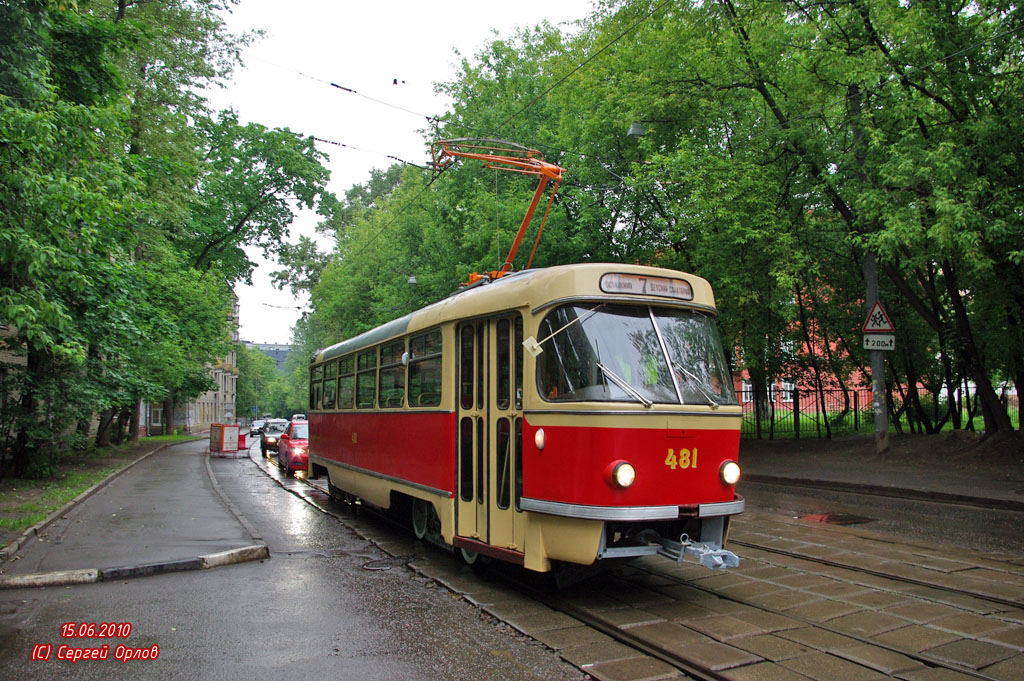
column 311, row 611
column 337, row 600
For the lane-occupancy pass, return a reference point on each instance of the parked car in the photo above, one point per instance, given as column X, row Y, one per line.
column 256, row 427
column 293, row 447
column 270, row 434
column 298, row 417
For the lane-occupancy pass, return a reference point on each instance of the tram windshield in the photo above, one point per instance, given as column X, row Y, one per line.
column 632, row 353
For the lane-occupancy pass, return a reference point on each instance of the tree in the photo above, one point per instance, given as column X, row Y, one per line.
column 256, row 373
column 124, row 208
column 244, row 195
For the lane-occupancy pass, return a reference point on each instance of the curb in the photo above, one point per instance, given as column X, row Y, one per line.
column 92, row 575
column 884, row 491
column 253, row 532
column 19, row 542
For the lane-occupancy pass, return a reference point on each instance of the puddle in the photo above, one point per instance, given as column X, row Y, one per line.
column 836, row 518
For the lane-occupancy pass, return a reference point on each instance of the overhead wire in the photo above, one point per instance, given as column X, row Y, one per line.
column 522, row 110
column 579, row 66
column 430, row 119
column 367, row 151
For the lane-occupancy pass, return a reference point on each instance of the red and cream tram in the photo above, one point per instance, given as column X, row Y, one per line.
column 575, row 413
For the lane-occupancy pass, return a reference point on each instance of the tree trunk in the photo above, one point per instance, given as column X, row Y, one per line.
column 758, row 392
column 133, row 424
column 169, row 413
column 103, row 432
column 24, row 449
column 992, row 409
column 819, row 386
column 120, row 425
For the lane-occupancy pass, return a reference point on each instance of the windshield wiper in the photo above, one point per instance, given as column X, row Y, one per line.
column 630, row 390
column 697, row 382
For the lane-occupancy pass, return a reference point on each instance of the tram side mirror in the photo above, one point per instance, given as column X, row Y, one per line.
column 405, row 359
column 532, row 346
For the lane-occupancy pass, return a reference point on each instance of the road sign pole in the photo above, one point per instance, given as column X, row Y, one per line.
column 877, row 362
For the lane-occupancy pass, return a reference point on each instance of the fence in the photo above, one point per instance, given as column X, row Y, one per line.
column 800, row 412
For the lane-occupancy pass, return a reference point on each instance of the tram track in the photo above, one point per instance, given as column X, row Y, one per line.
column 997, row 600
column 894, row 493
column 692, row 667
column 926, row 660
column 539, row 590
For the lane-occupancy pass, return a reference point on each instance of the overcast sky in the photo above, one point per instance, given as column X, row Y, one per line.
column 364, row 46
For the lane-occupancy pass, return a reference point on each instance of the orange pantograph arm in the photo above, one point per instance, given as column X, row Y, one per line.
column 514, row 158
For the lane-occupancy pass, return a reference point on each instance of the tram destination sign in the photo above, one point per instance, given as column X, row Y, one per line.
column 879, row 341
column 614, row 282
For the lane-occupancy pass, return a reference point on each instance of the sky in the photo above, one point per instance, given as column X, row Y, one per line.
column 367, row 47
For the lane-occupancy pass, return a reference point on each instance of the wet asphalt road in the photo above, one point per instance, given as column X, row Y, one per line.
column 972, row 528
column 312, row 611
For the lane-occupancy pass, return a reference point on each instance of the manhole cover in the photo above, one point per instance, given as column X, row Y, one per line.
column 836, row 518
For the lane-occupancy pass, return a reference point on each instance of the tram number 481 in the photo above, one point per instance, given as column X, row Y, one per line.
column 683, row 459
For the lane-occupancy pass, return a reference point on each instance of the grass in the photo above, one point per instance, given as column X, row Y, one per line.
column 809, row 425
column 25, row 502
column 160, row 439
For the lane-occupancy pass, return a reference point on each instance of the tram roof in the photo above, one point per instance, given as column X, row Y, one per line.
column 537, row 289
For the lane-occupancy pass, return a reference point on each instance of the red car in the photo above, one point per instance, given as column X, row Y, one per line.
column 292, row 447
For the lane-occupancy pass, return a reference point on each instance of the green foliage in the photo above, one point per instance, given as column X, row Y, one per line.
column 123, row 210
column 783, row 144
column 251, row 180
column 256, row 373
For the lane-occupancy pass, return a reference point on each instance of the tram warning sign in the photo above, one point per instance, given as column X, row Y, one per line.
column 878, row 321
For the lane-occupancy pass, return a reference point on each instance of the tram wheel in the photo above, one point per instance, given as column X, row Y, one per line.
column 469, row 557
column 420, row 517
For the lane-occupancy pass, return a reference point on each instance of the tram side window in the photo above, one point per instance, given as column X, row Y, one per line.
column 466, row 339
column 366, row 379
column 314, row 395
column 518, row 345
column 519, row 462
column 481, row 343
column 315, row 387
column 392, row 375
column 346, row 382
column 503, row 483
column 330, row 384
column 466, row 458
column 504, row 363
column 425, row 370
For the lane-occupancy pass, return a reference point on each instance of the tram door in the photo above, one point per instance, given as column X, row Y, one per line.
column 472, row 431
column 490, row 431
column 505, row 405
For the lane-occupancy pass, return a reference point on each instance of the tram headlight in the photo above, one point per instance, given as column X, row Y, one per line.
column 623, row 474
column 729, row 472
column 540, row 439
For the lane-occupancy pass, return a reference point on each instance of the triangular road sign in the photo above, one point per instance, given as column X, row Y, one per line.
column 878, row 321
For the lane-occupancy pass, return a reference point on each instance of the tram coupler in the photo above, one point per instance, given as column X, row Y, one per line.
column 709, row 555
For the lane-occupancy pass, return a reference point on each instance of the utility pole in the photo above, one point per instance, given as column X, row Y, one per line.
column 871, row 285
column 877, row 361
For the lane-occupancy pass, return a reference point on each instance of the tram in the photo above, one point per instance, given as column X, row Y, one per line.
column 565, row 415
